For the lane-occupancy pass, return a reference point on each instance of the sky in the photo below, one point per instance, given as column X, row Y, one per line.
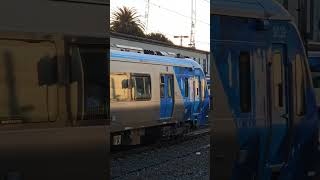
column 173, row 17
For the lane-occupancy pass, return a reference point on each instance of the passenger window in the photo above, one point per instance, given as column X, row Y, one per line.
column 142, row 87
column 28, row 82
column 119, row 87
column 170, row 88
column 203, row 86
column 186, row 87
column 162, row 86
column 300, row 86
column 245, row 82
column 277, row 68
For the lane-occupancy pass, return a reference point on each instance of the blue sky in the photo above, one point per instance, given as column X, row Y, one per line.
column 173, row 17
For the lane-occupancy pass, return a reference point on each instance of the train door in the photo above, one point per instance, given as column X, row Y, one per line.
column 197, row 94
column 278, row 92
column 166, row 96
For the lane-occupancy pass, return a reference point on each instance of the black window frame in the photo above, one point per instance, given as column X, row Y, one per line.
column 144, row 76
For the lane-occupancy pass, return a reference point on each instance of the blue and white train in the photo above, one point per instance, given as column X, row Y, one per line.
column 265, row 120
column 154, row 95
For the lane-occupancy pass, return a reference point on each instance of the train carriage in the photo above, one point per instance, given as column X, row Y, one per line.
column 265, row 121
column 52, row 65
column 149, row 91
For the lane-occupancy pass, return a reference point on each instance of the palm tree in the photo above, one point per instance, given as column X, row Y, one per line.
column 159, row 37
column 126, row 20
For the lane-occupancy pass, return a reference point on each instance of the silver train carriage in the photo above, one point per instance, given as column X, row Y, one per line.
column 152, row 96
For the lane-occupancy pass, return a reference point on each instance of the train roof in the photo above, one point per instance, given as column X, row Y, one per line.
column 153, row 59
column 259, row 9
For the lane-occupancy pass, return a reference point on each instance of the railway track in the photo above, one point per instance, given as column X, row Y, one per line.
column 160, row 143
column 149, row 159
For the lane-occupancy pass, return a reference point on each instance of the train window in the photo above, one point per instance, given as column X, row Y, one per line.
column 277, row 79
column 162, row 86
column 245, row 82
column 196, row 86
column 205, row 66
column 316, row 81
column 142, row 87
column 95, row 85
column 199, row 87
column 28, row 82
column 230, row 69
column 203, row 86
column 119, row 90
column 186, row 87
column 300, row 87
column 170, row 88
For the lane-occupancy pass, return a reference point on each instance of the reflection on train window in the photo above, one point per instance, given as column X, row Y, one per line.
column 186, row 87
column 245, row 82
column 119, row 87
column 300, row 87
column 170, row 90
column 162, row 86
column 277, row 79
column 142, row 87
column 28, row 82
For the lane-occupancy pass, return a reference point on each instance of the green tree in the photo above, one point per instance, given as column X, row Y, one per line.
column 159, row 37
column 126, row 20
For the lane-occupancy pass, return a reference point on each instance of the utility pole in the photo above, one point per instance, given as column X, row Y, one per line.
column 193, row 24
column 147, row 8
column 181, row 37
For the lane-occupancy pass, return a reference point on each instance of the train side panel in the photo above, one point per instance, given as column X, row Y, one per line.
column 257, row 70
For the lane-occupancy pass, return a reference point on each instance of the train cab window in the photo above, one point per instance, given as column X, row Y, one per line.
column 28, row 82
column 186, row 87
column 300, row 85
column 162, row 86
column 245, row 82
column 141, row 87
column 119, row 87
column 278, row 79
